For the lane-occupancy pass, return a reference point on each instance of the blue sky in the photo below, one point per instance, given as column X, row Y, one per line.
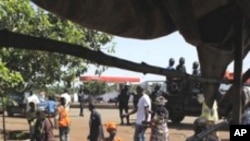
column 154, row 52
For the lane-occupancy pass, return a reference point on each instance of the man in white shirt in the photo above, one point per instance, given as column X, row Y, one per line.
column 31, row 98
column 67, row 97
column 143, row 113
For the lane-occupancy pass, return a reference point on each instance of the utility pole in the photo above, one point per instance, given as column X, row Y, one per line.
column 238, row 56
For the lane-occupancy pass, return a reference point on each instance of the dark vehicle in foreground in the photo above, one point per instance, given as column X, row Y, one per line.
column 183, row 99
column 15, row 105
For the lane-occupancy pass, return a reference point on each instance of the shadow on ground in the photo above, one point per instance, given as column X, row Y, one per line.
column 189, row 126
column 180, row 126
column 17, row 135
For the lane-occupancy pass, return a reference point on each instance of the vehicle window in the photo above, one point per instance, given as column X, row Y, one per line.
column 16, row 97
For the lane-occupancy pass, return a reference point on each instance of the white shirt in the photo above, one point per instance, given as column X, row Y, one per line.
column 67, row 98
column 223, row 88
column 33, row 98
column 42, row 98
column 143, row 102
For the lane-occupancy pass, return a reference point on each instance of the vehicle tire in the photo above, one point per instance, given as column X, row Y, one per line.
column 177, row 118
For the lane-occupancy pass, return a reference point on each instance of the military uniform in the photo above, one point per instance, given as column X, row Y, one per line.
column 123, row 100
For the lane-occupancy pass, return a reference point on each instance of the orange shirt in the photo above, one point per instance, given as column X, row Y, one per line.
column 63, row 120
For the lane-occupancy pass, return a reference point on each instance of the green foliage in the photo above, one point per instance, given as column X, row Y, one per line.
column 95, row 87
column 8, row 80
column 37, row 68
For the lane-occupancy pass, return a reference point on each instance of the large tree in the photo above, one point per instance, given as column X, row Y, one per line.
column 37, row 68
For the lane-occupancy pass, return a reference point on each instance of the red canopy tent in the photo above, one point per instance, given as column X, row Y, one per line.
column 110, row 79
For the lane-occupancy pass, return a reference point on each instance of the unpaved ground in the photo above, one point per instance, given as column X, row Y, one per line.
column 79, row 127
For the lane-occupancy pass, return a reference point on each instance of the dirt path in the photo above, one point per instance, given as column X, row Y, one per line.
column 79, row 128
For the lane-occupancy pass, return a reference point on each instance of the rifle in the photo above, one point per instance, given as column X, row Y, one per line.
column 205, row 133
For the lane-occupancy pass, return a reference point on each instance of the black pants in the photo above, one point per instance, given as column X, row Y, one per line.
column 125, row 109
column 81, row 108
column 153, row 111
column 50, row 117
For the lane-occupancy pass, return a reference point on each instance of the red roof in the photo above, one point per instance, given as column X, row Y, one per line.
column 111, row 79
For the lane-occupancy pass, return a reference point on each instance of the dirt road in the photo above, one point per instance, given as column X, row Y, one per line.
column 79, row 127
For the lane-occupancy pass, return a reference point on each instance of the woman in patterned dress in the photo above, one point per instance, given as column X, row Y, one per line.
column 43, row 128
column 159, row 128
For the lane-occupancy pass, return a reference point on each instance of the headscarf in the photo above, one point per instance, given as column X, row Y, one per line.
column 110, row 126
column 160, row 101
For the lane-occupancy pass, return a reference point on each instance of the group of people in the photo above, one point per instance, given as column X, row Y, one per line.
column 151, row 110
column 182, row 68
column 41, row 125
column 39, row 116
column 152, row 113
column 144, row 119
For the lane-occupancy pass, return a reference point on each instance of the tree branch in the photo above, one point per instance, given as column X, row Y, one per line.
column 16, row 40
